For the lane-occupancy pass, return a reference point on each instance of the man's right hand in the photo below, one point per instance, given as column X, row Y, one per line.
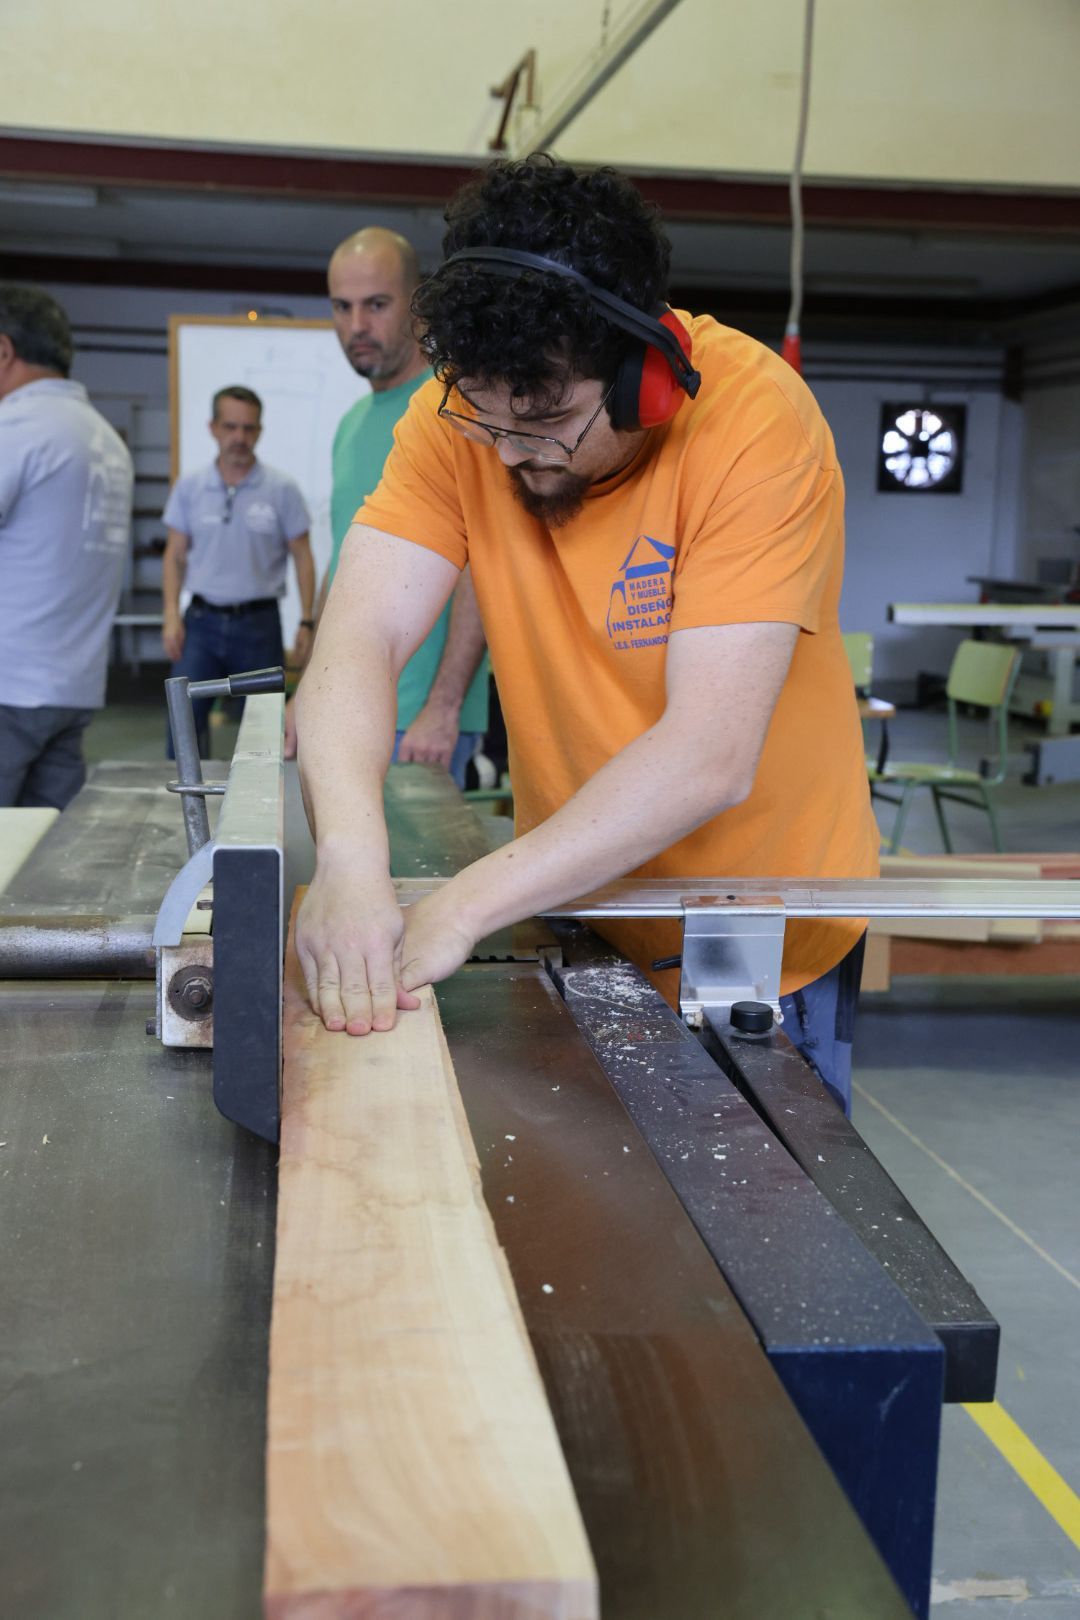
column 349, row 933
column 172, row 636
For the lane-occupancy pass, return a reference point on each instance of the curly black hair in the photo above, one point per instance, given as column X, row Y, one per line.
column 535, row 332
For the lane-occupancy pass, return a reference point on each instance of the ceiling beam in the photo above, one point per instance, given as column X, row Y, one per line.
column 949, row 210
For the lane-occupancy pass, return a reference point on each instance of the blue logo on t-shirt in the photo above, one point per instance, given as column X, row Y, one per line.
column 639, row 608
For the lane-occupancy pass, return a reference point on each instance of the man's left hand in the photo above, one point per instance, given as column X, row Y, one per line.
column 438, row 939
column 431, row 739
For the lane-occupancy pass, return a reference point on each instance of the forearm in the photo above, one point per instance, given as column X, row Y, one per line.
column 305, row 579
column 346, row 709
column 386, row 596
column 464, row 649
column 173, row 568
column 620, row 818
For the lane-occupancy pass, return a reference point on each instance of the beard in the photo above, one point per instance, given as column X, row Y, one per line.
column 557, row 508
column 367, row 362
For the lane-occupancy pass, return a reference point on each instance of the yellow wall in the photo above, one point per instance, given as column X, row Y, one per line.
column 975, row 91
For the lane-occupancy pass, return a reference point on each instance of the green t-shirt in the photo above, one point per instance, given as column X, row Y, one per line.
column 364, row 439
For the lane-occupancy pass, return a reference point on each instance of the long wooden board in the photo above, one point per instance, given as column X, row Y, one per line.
column 413, row 1469
column 1015, row 946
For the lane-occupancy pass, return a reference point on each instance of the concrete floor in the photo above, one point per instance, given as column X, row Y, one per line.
column 968, row 1091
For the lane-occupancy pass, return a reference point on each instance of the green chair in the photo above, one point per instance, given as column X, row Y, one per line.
column 982, row 675
column 490, row 797
column 859, row 646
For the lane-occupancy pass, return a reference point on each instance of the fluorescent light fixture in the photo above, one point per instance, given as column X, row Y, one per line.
column 41, row 194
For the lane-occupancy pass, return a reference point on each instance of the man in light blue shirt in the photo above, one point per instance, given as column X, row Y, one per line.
column 65, row 524
column 232, row 528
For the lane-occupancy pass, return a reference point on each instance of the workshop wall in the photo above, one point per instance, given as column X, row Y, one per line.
column 899, row 547
column 920, row 547
column 121, row 355
column 1051, row 479
column 973, row 91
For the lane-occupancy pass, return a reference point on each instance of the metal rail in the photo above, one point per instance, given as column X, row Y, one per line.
column 815, row 897
column 73, row 945
column 35, row 945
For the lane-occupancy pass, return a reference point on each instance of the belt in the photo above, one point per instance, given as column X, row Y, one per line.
column 235, row 609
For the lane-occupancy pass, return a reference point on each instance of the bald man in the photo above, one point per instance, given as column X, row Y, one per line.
column 442, row 697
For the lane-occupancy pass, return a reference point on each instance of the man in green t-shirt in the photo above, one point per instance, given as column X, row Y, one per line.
column 442, row 695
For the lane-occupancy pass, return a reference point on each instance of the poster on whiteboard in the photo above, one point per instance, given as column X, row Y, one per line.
column 298, row 370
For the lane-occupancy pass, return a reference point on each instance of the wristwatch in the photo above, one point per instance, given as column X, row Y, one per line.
column 307, row 624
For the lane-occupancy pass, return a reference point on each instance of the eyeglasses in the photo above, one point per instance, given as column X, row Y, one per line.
column 531, row 444
column 230, row 496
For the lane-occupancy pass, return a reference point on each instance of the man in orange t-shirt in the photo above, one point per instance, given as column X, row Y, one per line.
column 652, row 510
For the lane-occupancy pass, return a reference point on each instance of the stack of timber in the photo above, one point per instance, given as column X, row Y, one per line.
column 413, row 1468
column 973, row 945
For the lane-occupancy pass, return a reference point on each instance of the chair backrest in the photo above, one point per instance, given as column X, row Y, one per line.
column 859, row 646
column 982, row 672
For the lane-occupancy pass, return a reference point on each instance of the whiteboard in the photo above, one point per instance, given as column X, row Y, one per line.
column 298, row 370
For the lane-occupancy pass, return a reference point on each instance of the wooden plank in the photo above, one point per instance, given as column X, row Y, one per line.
column 973, row 930
column 943, row 958
column 1057, row 864
column 875, row 973
column 21, row 829
column 413, row 1469
column 979, row 930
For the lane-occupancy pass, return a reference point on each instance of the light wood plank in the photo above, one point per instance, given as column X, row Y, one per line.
column 978, row 930
column 21, row 829
column 875, row 973
column 413, row 1469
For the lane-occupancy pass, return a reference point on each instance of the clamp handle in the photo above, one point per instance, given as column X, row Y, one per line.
column 250, row 684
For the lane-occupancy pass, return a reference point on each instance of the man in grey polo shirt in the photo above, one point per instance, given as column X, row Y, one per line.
column 65, row 523
column 232, row 528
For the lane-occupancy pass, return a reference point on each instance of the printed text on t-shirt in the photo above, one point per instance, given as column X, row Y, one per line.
column 639, row 606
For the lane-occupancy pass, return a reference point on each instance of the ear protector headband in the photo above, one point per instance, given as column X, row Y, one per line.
column 653, row 377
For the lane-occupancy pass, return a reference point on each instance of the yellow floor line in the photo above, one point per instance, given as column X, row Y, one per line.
column 1017, row 1231
column 1025, row 1458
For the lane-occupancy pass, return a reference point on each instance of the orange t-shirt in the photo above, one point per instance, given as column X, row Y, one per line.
column 731, row 513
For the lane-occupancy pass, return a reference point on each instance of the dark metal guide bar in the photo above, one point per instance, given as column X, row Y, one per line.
column 864, row 1370
column 787, row 1095
column 701, row 1491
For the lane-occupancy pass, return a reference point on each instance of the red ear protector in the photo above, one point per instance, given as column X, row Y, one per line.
column 654, row 376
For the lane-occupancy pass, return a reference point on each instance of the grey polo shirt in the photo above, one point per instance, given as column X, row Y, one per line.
column 65, row 525
column 238, row 535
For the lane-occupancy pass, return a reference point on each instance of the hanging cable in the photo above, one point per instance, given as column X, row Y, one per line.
column 792, row 348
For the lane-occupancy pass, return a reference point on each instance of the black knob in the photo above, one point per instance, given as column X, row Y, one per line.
column 751, row 1017
column 255, row 681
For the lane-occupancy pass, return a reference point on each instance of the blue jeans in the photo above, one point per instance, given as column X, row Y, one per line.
column 819, row 1021
column 463, row 752
column 41, row 757
column 218, row 644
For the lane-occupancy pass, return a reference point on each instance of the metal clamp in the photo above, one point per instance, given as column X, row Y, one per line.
column 185, row 961
column 179, row 692
column 732, row 950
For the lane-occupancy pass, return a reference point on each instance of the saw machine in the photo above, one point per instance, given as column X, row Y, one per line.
column 752, row 1331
